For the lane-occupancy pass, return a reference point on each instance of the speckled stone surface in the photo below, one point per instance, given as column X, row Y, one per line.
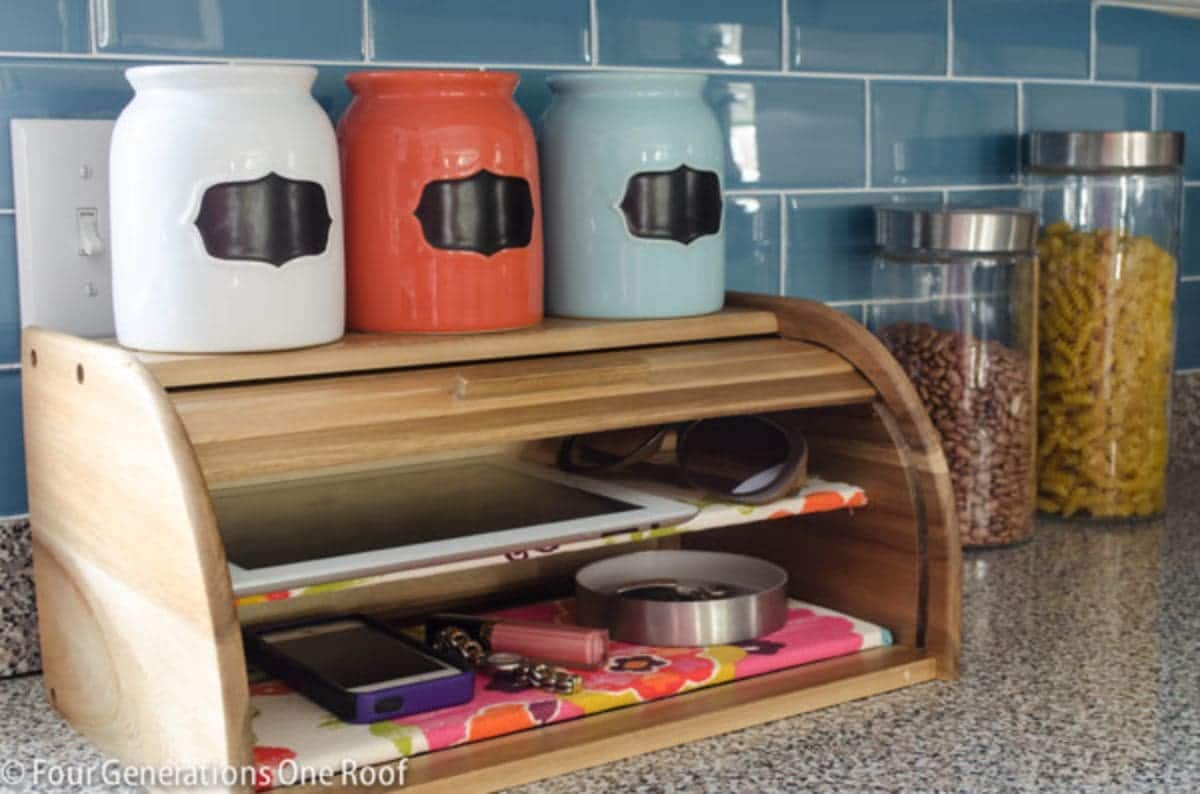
column 18, row 615
column 1081, row 673
column 1185, row 421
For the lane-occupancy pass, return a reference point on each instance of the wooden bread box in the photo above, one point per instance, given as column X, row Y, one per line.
column 140, row 629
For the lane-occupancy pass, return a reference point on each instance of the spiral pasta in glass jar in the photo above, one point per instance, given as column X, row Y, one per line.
column 1108, row 255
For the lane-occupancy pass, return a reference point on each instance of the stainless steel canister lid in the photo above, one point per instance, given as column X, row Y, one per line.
column 998, row 230
column 1129, row 150
column 682, row 598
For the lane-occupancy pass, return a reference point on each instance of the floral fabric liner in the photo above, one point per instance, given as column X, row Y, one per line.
column 290, row 728
column 817, row 496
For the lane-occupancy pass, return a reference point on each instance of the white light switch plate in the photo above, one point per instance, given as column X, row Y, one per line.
column 60, row 176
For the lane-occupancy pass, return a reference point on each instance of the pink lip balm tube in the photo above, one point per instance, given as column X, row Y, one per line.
column 569, row 646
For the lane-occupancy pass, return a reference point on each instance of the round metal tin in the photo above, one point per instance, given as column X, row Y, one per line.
column 1085, row 151
column 993, row 230
column 682, row 598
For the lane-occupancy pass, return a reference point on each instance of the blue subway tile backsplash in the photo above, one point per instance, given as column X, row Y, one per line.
column 44, row 26
column 1189, row 264
column 1180, row 110
column 1022, row 38
column 786, row 133
column 1085, row 107
column 712, row 34
column 987, row 197
column 877, row 36
column 10, row 320
column 831, row 242
column 1187, row 332
column 317, row 29
column 55, row 89
column 828, row 106
column 480, row 31
column 330, row 89
column 12, row 462
column 1149, row 45
column 533, row 93
column 752, row 244
column 943, row 133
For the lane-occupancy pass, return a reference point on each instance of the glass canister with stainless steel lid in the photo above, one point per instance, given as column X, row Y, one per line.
column 960, row 319
column 1110, row 204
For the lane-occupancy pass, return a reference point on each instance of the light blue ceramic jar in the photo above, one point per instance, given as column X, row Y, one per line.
column 632, row 170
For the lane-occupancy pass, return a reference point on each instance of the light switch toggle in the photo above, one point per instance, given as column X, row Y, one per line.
column 90, row 242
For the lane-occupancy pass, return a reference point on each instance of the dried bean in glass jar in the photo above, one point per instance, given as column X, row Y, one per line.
column 962, row 328
column 978, row 395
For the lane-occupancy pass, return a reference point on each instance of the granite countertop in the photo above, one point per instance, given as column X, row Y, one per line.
column 1081, row 672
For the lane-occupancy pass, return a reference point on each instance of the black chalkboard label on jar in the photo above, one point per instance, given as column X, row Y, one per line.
column 484, row 212
column 271, row 219
column 681, row 205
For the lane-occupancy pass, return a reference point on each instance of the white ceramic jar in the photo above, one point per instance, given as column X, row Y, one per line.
column 226, row 211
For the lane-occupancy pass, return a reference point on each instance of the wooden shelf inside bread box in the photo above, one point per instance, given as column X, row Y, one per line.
column 126, row 451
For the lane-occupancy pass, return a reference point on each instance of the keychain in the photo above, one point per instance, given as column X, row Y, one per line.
column 508, row 665
column 535, row 674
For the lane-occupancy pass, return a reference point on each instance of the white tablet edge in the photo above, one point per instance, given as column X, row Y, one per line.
column 651, row 512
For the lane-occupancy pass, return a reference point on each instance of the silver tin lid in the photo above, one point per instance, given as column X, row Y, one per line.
column 1131, row 150
column 756, row 603
column 990, row 230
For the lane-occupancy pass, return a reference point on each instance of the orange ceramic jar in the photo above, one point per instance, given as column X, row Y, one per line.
column 442, row 203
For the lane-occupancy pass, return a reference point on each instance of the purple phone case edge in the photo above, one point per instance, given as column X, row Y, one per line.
column 417, row 698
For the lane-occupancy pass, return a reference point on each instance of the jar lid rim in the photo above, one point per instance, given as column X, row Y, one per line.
column 432, row 80
column 234, row 75
column 1092, row 150
column 623, row 79
column 979, row 230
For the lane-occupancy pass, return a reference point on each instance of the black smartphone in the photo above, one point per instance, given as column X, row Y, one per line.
column 359, row 668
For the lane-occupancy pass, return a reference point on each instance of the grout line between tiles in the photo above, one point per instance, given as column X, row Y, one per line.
column 84, row 57
column 1154, row 122
column 1020, row 110
column 593, row 34
column 12, row 366
column 91, row 9
column 368, row 32
column 823, row 191
column 783, row 245
column 14, row 517
column 791, row 74
column 906, row 301
column 1092, row 42
column 1151, row 5
column 1020, row 128
column 1189, row 279
column 949, row 38
column 868, row 143
column 785, row 37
